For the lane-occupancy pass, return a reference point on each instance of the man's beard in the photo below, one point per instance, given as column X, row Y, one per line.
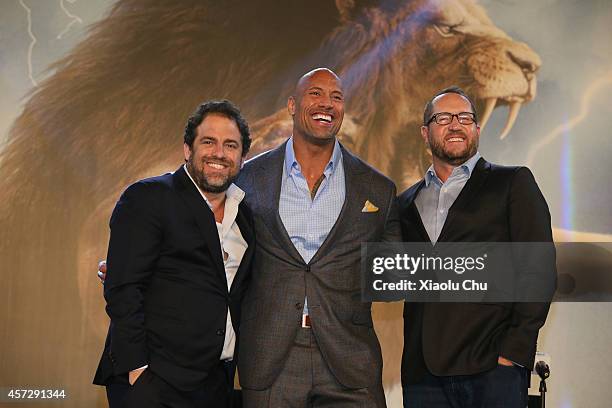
column 455, row 159
column 202, row 182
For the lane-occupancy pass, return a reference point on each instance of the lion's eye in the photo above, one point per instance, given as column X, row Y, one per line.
column 445, row 30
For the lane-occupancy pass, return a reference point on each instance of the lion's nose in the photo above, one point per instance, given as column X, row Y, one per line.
column 526, row 59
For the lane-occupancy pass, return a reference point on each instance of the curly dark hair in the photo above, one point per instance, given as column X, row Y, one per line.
column 222, row 107
column 451, row 89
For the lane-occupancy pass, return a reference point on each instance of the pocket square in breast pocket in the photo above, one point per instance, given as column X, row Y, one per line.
column 368, row 207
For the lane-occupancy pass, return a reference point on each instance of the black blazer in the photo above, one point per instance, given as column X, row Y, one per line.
column 497, row 204
column 166, row 289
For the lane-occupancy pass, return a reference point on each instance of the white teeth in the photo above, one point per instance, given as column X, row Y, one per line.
column 512, row 115
column 455, row 139
column 489, row 106
column 322, row 116
column 216, row 166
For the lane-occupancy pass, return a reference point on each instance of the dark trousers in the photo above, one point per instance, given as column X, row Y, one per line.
column 501, row 387
column 152, row 391
column 307, row 382
column 116, row 392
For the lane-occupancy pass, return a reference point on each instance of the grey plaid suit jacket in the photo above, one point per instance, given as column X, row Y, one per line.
column 272, row 309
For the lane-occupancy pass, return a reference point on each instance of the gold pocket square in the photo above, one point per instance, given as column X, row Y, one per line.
column 368, row 207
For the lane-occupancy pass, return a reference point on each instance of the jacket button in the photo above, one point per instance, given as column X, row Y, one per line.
column 299, row 306
column 307, row 268
column 220, row 332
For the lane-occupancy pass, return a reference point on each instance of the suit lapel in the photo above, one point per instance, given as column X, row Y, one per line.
column 412, row 212
column 268, row 186
column 246, row 230
column 204, row 217
column 353, row 177
column 467, row 194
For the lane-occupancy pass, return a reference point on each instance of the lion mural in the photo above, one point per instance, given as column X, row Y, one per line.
column 113, row 111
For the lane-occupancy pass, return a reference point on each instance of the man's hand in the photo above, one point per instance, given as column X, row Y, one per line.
column 134, row 374
column 504, row 361
column 102, row 271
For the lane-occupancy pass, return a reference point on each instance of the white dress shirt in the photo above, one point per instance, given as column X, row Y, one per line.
column 233, row 247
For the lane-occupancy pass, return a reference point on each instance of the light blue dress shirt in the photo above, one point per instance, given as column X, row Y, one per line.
column 436, row 198
column 308, row 221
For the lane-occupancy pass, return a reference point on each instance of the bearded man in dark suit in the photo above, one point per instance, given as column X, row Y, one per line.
column 178, row 266
column 470, row 354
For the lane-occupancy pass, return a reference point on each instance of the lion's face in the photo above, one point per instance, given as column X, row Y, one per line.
column 462, row 46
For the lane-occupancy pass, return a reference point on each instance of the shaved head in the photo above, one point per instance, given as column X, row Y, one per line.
column 304, row 79
column 317, row 106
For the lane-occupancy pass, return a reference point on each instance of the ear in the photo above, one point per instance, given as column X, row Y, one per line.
column 291, row 105
column 186, row 151
column 425, row 135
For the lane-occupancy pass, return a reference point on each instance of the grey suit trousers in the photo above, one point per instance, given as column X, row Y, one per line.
column 306, row 381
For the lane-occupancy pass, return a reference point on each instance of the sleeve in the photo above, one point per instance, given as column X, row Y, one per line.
column 529, row 221
column 134, row 246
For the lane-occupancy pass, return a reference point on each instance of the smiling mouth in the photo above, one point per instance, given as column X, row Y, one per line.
column 455, row 139
column 324, row 118
column 217, row 166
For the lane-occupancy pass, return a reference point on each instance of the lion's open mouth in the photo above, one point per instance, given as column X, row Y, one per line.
column 513, row 111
